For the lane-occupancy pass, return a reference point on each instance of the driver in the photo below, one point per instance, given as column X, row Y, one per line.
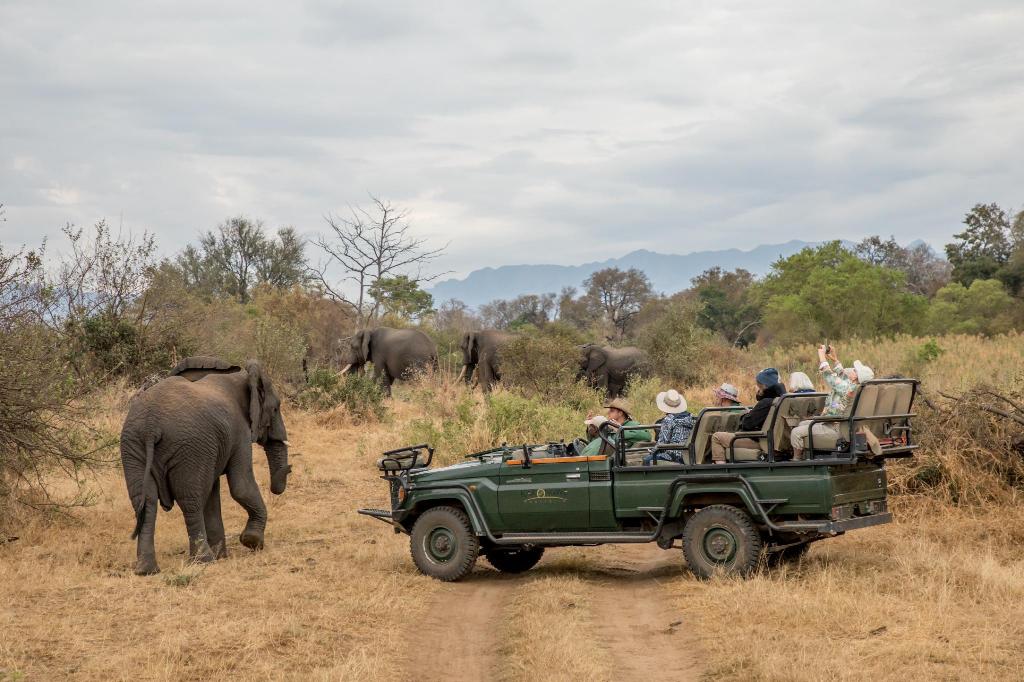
column 618, row 418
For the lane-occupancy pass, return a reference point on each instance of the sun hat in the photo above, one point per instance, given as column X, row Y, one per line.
column 670, row 402
column 597, row 420
column 768, row 377
column 798, row 381
column 728, row 392
column 619, row 404
column 864, row 373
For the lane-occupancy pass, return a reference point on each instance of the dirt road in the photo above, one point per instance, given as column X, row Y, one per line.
column 629, row 615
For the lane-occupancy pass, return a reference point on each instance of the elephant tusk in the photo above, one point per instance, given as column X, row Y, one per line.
column 462, row 373
column 345, row 368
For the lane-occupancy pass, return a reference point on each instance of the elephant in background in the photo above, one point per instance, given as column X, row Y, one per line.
column 481, row 352
column 611, row 368
column 395, row 353
column 186, row 431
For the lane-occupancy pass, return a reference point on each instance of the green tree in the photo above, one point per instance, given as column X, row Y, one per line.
column 528, row 309
column 982, row 308
column 239, row 256
column 401, row 296
column 984, row 247
column 729, row 308
column 828, row 292
column 619, row 294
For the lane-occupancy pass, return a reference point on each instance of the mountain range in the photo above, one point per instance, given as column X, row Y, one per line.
column 668, row 273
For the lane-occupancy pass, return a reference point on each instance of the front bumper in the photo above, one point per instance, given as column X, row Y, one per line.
column 388, row 517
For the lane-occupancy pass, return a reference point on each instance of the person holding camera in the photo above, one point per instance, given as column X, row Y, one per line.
column 842, row 384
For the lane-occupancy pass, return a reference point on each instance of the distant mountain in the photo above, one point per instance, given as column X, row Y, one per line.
column 669, row 273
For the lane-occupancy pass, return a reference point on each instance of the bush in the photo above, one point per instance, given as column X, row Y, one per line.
column 280, row 348
column 518, row 419
column 358, row 395
column 541, row 363
column 678, row 347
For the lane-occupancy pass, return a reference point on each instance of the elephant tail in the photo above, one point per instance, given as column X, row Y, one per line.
column 140, row 512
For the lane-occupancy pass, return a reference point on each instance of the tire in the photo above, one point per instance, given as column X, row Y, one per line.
column 443, row 545
column 790, row 555
column 514, row 559
column 721, row 539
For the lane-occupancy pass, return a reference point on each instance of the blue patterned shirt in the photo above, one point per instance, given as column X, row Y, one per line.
column 675, row 429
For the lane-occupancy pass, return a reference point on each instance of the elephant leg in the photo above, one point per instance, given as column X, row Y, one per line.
column 215, row 523
column 145, row 553
column 486, row 377
column 246, row 492
column 385, row 380
column 198, row 545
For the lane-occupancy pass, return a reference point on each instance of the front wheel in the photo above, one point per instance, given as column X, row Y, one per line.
column 514, row 559
column 721, row 539
column 443, row 544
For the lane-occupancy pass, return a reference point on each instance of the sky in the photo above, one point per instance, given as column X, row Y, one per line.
column 525, row 132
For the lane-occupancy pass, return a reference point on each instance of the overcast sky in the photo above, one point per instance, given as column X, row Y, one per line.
column 518, row 131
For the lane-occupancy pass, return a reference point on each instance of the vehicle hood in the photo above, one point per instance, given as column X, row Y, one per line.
column 473, row 469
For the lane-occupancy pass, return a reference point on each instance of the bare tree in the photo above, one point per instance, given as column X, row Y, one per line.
column 620, row 294
column 367, row 246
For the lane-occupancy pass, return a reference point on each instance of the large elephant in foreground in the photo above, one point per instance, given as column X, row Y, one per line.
column 481, row 352
column 611, row 368
column 395, row 353
column 182, row 434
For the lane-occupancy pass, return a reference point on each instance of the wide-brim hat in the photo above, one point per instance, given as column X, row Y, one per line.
column 728, row 392
column 620, row 404
column 864, row 373
column 670, row 402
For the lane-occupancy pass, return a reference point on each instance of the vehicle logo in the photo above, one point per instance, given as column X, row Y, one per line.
column 541, row 495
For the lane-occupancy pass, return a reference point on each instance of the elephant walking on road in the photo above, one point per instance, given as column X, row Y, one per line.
column 395, row 353
column 611, row 368
column 481, row 352
column 182, row 434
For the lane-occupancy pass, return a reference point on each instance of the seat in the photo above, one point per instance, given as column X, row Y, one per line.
column 395, row 464
column 874, row 405
column 710, row 420
column 793, row 409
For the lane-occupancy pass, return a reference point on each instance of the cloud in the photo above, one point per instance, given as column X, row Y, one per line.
column 519, row 132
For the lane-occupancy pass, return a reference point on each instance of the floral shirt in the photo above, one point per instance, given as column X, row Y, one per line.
column 675, row 429
column 840, row 390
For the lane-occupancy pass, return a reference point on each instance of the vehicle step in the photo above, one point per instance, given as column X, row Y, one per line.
column 570, row 538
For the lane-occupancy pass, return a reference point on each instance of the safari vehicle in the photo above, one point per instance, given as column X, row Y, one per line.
column 509, row 504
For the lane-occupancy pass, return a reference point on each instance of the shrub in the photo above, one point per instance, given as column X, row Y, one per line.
column 280, row 348
column 540, row 363
column 678, row 347
column 517, row 419
column 358, row 395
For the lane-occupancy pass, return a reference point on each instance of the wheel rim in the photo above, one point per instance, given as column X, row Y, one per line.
column 440, row 544
column 720, row 545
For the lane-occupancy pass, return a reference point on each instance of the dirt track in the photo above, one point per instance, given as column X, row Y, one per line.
column 632, row 619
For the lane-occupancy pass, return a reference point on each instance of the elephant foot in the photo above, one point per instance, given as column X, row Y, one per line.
column 219, row 550
column 200, row 552
column 146, row 565
column 252, row 540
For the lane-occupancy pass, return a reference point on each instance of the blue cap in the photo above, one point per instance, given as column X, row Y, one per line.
column 768, row 376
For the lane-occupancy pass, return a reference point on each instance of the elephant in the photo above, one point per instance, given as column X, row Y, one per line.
column 395, row 353
column 481, row 352
column 611, row 368
column 182, row 434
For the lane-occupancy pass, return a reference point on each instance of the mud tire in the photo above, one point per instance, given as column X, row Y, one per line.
column 721, row 540
column 443, row 545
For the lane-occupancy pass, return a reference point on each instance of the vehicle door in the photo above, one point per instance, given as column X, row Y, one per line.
column 551, row 494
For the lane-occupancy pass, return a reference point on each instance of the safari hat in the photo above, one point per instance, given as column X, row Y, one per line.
column 597, row 420
column 864, row 373
column 670, row 402
column 728, row 392
column 619, row 404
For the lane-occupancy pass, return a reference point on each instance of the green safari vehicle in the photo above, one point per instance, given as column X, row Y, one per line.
column 509, row 504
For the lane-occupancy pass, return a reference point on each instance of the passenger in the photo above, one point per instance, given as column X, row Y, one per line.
column 727, row 396
column 799, row 383
column 842, row 384
column 768, row 389
column 618, row 415
column 676, row 426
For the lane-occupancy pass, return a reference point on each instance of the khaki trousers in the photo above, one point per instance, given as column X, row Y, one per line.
column 720, row 441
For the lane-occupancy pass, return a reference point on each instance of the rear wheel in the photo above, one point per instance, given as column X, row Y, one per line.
column 721, row 539
column 514, row 559
column 443, row 544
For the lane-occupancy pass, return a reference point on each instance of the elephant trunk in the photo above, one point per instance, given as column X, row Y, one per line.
column 277, row 458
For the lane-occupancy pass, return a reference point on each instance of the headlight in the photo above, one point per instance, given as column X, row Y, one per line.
column 401, row 494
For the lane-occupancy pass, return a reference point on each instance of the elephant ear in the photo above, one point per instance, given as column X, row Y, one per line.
column 596, row 358
column 196, row 367
column 256, row 397
column 367, row 334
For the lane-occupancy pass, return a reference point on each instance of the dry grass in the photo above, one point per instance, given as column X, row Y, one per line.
column 938, row 595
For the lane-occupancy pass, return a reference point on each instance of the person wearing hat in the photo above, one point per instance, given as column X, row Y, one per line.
column 618, row 417
column 676, row 426
column 768, row 389
column 727, row 395
column 842, row 384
